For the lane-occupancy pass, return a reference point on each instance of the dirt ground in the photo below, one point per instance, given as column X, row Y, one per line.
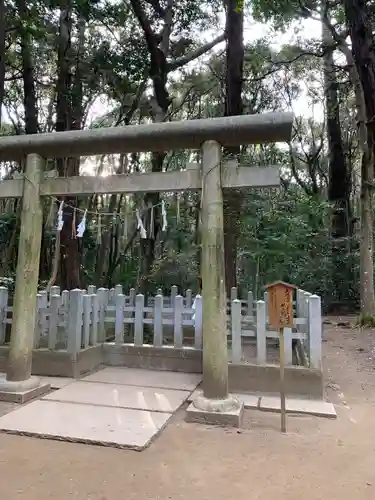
column 317, row 459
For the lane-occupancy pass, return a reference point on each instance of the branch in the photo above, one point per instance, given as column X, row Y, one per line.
column 146, row 27
column 157, row 7
column 123, row 253
column 340, row 39
column 183, row 101
column 137, row 98
column 13, row 78
column 167, row 28
column 309, row 13
column 181, row 61
column 286, row 62
column 295, row 173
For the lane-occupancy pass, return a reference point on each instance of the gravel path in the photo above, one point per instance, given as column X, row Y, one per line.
column 317, row 459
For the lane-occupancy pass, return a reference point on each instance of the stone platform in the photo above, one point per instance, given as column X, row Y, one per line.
column 21, row 391
column 119, row 407
column 318, row 408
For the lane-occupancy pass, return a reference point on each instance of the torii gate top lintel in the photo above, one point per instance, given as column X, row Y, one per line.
column 188, row 134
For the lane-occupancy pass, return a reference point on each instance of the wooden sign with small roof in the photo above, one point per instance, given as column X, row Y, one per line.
column 280, row 304
column 280, row 316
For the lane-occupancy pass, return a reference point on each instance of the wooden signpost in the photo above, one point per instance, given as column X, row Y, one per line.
column 280, row 316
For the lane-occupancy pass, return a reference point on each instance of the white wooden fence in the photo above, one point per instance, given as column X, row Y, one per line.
column 82, row 318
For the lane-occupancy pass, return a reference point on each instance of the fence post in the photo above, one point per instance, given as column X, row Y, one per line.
column 138, row 320
column 37, row 324
column 315, row 332
column 3, row 312
column 75, row 321
column 132, row 297
column 236, row 331
column 261, row 327
column 303, row 307
column 188, row 298
column 94, row 319
column 103, row 297
column 288, row 353
column 233, row 294
column 119, row 320
column 158, row 321
column 54, row 290
column 87, row 300
column 55, row 301
column 299, row 296
column 299, row 305
column 174, row 291
column 118, row 290
column 91, row 290
column 177, row 321
column 43, row 312
column 65, row 298
column 198, row 322
column 250, row 304
column 265, row 298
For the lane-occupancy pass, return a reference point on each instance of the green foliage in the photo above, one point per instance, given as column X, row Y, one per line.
column 284, row 234
column 280, row 12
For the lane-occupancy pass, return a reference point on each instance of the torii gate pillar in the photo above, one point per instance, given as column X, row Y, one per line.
column 216, row 405
column 19, row 386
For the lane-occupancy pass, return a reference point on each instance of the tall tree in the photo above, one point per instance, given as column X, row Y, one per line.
column 2, row 54
column 71, row 73
column 233, row 106
column 360, row 26
column 67, row 243
column 339, row 180
column 29, row 92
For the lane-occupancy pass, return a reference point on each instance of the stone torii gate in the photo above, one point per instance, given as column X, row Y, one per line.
column 216, row 405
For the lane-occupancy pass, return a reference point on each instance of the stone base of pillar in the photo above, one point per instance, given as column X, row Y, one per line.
column 21, row 391
column 225, row 412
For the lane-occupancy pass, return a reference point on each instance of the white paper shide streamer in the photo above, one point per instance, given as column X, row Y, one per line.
column 164, row 216
column 82, row 226
column 60, row 220
column 140, row 226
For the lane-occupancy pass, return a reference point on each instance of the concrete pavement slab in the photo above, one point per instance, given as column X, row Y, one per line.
column 117, row 427
column 146, row 378
column 308, row 406
column 120, row 396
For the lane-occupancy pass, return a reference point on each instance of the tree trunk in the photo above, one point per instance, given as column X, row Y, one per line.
column 29, row 94
column 158, row 49
column 2, row 53
column 233, row 106
column 339, row 182
column 102, row 255
column 366, row 246
column 360, row 29
column 68, row 118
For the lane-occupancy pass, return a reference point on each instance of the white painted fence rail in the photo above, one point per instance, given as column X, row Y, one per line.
column 81, row 318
